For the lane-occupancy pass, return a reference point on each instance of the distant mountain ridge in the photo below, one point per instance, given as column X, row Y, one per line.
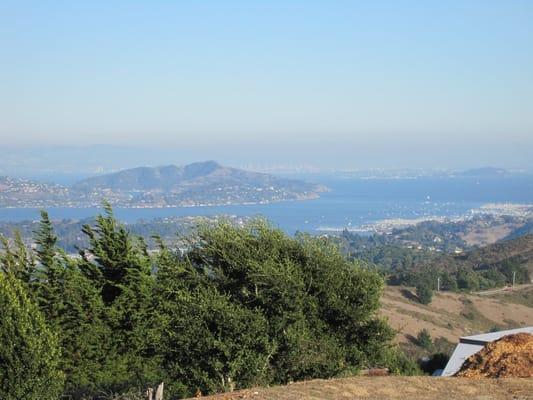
column 196, row 184
column 172, row 177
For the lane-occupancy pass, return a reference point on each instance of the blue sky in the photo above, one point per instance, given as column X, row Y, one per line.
column 331, row 83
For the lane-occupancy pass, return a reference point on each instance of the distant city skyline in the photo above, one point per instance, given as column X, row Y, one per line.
column 329, row 84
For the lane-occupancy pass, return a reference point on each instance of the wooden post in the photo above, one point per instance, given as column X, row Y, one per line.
column 159, row 391
column 149, row 394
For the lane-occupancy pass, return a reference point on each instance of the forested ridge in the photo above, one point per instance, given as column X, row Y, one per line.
column 496, row 265
column 242, row 306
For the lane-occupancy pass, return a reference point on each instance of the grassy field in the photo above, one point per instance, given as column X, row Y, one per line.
column 391, row 388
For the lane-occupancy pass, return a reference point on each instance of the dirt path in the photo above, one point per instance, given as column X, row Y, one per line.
column 505, row 289
column 391, row 388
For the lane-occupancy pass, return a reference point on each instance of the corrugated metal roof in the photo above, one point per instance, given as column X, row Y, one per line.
column 469, row 345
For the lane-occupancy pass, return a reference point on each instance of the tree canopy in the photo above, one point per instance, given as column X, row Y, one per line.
column 241, row 306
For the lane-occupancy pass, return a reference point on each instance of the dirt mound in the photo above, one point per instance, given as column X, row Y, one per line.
column 510, row 356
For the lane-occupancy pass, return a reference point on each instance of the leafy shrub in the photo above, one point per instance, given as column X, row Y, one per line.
column 423, row 339
column 424, row 293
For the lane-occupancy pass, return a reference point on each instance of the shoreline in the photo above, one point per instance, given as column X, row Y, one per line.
column 387, row 225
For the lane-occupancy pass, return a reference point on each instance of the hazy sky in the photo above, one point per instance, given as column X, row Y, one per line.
column 341, row 83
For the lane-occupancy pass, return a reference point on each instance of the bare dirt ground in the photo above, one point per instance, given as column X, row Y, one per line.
column 451, row 315
column 391, row 388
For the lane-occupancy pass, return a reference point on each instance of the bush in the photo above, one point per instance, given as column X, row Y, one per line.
column 399, row 363
column 423, row 339
column 424, row 293
column 29, row 353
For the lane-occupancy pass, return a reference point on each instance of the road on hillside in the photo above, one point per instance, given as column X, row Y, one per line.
column 505, row 289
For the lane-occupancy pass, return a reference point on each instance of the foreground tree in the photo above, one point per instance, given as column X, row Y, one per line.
column 242, row 306
column 118, row 266
column 29, row 352
column 296, row 308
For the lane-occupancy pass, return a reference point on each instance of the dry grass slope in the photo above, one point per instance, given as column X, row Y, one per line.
column 451, row 315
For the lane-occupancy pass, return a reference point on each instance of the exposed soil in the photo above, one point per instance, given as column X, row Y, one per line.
column 509, row 357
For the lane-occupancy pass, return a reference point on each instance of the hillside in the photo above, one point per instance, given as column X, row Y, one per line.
column 166, row 178
column 17, row 192
column 197, row 184
column 390, row 388
column 495, row 265
column 520, row 249
column 451, row 315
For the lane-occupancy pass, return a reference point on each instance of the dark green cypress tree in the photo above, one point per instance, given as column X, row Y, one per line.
column 46, row 242
column 29, row 352
column 119, row 265
column 49, row 273
column 73, row 307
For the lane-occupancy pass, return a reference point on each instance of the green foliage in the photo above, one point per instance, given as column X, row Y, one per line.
column 118, row 266
column 243, row 306
column 17, row 260
column 46, row 240
column 424, row 293
column 402, row 263
column 511, row 267
column 212, row 344
column 467, row 279
column 447, row 281
column 309, row 312
column 83, row 333
column 399, row 363
column 29, row 354
column 423, row 339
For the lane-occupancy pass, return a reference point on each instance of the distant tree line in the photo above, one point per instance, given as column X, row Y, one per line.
column 243, row 306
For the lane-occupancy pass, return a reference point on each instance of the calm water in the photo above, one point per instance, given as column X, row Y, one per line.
column 350, row 203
